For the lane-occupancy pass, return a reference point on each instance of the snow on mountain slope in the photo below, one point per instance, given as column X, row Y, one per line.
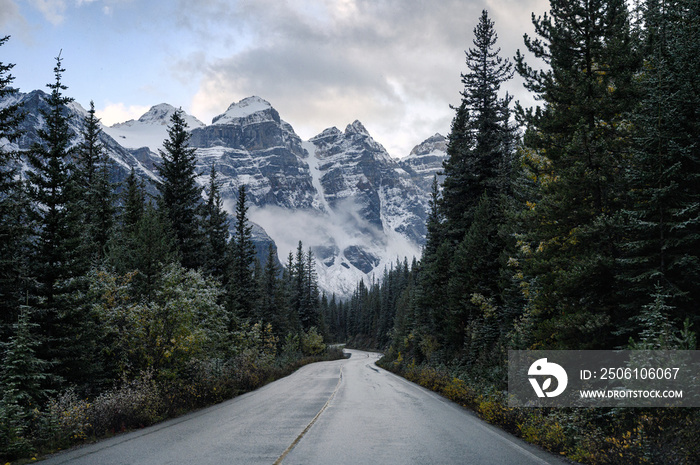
column 150, row 130
column 33, row 103
column 340, row 193
column 425, row 160
column 247, row 107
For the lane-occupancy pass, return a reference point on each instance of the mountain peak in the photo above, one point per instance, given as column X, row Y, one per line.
column 158, row 114
column 356, row 128
column 246, row 107
column 433, row 144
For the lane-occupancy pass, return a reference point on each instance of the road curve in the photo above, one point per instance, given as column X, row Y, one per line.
column 341, row 412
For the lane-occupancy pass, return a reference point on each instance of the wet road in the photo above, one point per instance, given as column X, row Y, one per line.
column 341, row 412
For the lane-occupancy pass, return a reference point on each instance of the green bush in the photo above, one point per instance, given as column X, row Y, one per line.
column 312, row 342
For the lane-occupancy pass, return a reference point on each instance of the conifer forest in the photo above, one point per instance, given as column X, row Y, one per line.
column 574, row 225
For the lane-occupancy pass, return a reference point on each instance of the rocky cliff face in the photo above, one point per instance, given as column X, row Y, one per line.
column 124, row 159
column 249, row 144
column 340, row 193
column 425, row 161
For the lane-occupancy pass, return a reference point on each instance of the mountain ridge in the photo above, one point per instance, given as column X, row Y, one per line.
column 340, row 192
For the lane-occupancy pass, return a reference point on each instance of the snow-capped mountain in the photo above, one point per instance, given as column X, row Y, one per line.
column 340, row 193
column 249, row 144
column 32, row 103
column 150, row 130
column 425, row 160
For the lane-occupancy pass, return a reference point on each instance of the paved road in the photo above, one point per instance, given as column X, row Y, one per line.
column 341, row 412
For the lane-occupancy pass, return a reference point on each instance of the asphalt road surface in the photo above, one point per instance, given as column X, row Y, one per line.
column 341, row 412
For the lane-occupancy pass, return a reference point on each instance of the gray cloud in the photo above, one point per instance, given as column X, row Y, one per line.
column 393, row 64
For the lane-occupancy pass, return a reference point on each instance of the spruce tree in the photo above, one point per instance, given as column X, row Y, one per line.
column 14, row 230
column 270, row 311
column 134, row 202
column 298, row 280
column 480, row 138
column 95, row 188
column 144, row 241
column 216, row 232
column 662, row 234
column 241, row 287
column 23, row 377
column 579, row 136
column 57, row 261
column 309, row 312
column 153, row 248
column 180, row 195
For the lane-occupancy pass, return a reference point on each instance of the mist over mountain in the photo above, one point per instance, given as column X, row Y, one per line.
column 340, row 193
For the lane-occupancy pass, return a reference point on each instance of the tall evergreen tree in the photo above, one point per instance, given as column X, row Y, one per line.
column 13, row 209
column 23, row 377
column 153, row 248
column 95, row 188
column 144, row 241
column 180, row 195
column 271, row 305
column 241, row 288
column 662, row 237
column 309, row 311
column 53, row 191
column 57, row 260
column 479, row 140
column 579, row 135
column 216, row 231
column 134, row 202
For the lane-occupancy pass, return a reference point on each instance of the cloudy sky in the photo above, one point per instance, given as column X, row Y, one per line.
column 393, row 64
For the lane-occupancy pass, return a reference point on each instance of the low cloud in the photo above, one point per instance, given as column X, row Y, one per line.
column 114, row 113
column 330, row 236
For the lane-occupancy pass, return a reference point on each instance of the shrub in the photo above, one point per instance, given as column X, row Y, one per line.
column 14, row 439
column 312, row 342
column 65, row 420
column 133, row 404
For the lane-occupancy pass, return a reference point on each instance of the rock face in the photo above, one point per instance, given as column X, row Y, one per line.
column 425, row 161
column 249, row 144
column 340, row 193
column 143, row 161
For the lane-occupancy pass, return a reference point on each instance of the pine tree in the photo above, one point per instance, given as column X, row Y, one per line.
column 180, row 195
column 143, row 241
column 241, row 288
column 58, row 264
column 662, row 237
column 272, row 306
column 14, row 230
column 474, row 270
column 308, row 311
column 480, row 138
column 134, row 202
column 297, row 274
column 52, row 190
column 290, row 296
column 153, row 248
column 580, row 137
column 95, row 188
column 216, row 231
column 23, row 375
